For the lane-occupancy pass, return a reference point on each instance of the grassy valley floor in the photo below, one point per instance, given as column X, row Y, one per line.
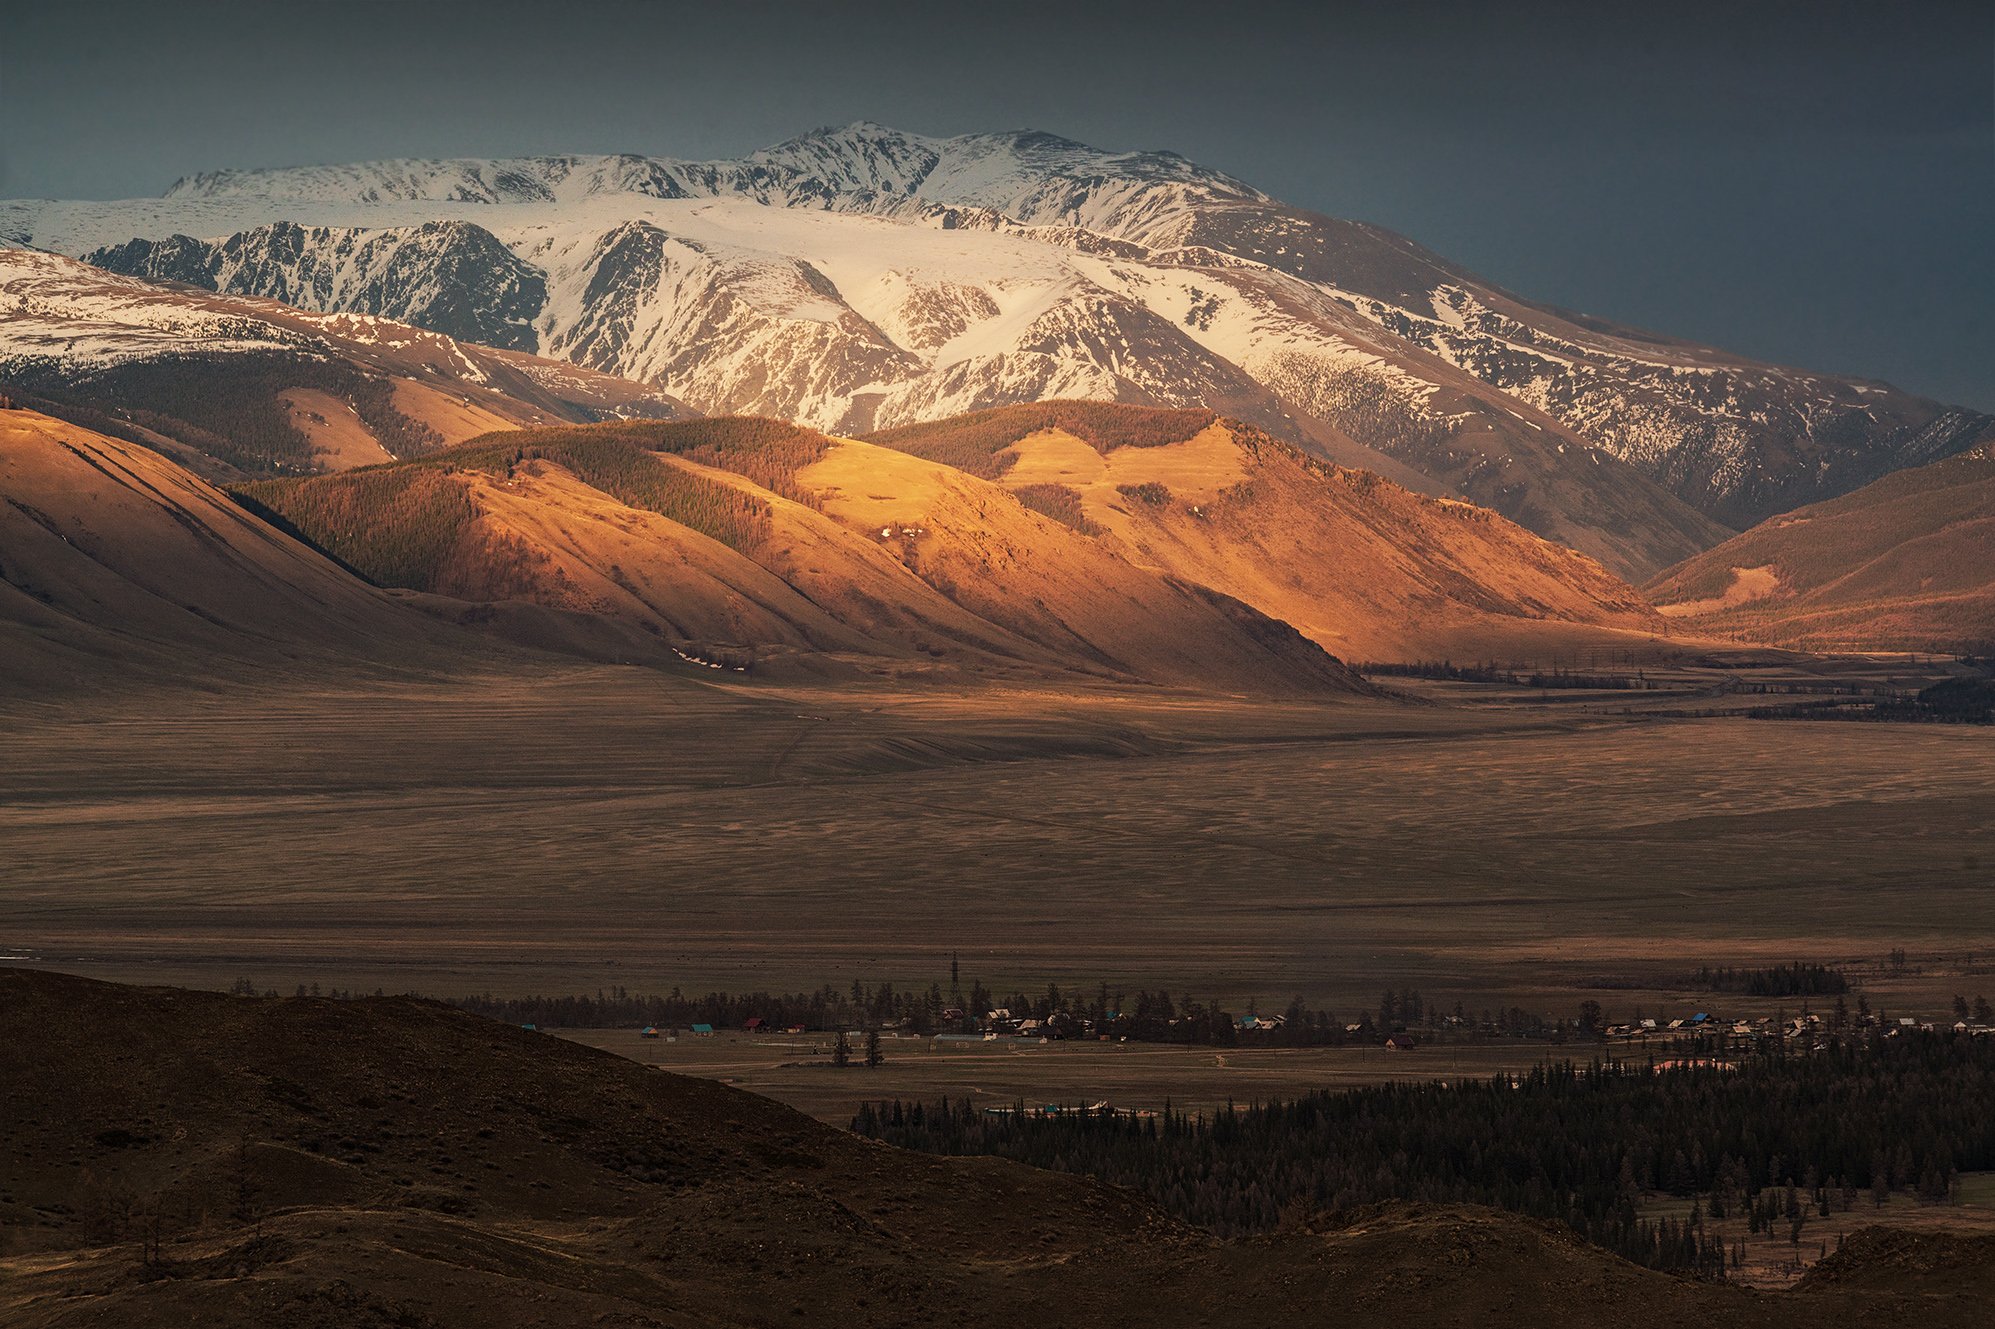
column 582, row 827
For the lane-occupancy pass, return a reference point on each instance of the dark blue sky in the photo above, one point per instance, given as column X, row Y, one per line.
column 1809, row 183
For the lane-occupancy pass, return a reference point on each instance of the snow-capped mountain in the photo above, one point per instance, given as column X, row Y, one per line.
column 1032, row 177
column 859, row 278
column 235, row 386
column 448, row 276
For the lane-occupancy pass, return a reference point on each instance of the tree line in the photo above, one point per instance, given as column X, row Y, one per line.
column 976, row 442
column 769, row 452
column 230, row 406
column 1060, row 502
column 1488, row 673
column 1776, row 1136
column 1103, row 1010
column 1780, row 980
column 1142, row 1015
column 400, row 524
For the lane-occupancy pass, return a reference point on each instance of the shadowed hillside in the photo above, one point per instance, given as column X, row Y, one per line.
column 115, row 562
column 1901, row 564
column 177, row 1157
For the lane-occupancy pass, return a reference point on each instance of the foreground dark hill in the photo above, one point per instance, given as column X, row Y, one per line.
column 175, row 1157
column 1904, row 564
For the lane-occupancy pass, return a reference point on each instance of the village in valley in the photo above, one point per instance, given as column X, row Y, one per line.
column 1801, row 1032
column 1759, row 1010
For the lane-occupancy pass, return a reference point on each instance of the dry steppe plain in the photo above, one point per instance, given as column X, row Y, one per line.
column 563, row 828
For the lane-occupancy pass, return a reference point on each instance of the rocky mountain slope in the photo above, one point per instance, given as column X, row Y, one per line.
column 1903, row 564
column 175, row 1157
column 863, row 278
column 233, row 386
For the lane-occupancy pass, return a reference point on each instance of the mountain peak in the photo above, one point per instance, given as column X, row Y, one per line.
column 862, row 157
column 855, row 131
column 1021, row 173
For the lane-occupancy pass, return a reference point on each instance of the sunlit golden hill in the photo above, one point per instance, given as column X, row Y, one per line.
column 749, row 543
column 1070, row 540
column 1365, row 567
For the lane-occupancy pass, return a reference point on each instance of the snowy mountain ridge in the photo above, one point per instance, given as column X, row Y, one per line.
column 862, row 277
column 1031, row 177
